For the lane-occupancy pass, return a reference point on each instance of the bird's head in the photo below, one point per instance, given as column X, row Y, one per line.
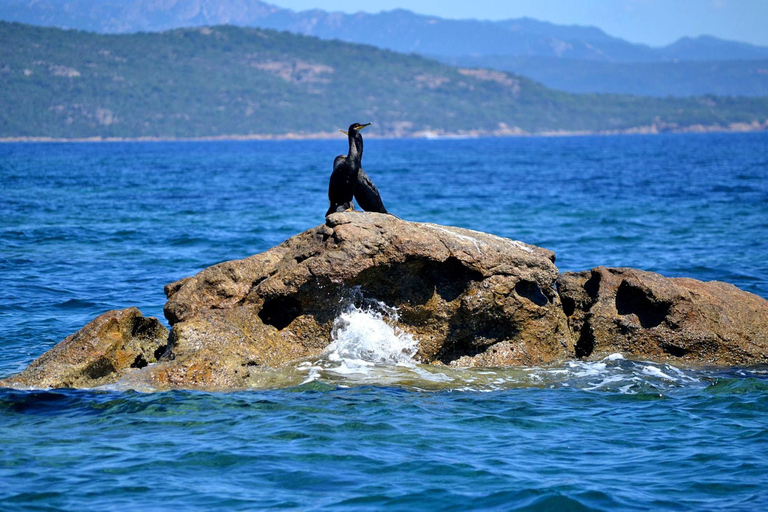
column 354, row 127
column 339, row 160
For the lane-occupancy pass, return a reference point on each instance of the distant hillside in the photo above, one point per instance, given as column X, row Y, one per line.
column 239, row 81
column 547, row 52
column 682, row 78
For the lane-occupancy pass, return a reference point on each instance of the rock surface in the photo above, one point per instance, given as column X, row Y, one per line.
column 470, row 298
column 680, row 320
column 100, row 353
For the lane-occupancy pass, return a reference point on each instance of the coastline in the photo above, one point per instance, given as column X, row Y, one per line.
column 503, row 131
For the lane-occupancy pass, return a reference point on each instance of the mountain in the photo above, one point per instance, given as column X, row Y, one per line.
column 398, row 30
column 710, row 48
column 547, row 52
column 229, row 81
column 660, row 79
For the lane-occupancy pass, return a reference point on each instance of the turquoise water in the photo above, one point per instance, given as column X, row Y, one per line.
column 91, row 227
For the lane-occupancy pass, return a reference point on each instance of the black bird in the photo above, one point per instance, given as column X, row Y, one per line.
column 366, row 194
column 341, row 187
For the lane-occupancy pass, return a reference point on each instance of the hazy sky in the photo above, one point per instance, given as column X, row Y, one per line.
column 654, row 22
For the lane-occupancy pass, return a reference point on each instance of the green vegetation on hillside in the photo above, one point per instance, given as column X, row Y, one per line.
column 239, row 81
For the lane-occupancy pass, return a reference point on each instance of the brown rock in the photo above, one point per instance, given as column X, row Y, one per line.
column 100, row 353
column 644, row 314
column 469, row 298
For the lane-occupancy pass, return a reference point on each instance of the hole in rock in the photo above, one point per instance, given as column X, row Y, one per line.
column 532, row 292
column 460, row 348
column 415, row 281
column 592, row 286
column 160, row 351
column 471, row 335
column 139, row 362
column 279, row 312
column 631, row 299
column 141, row 328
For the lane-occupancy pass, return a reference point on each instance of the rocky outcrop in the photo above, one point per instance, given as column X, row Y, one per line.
column 470, row 299
column 100, row 353
column 681, row 320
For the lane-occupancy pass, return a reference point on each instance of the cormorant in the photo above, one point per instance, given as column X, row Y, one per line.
column 341, row 187
column 365, row 193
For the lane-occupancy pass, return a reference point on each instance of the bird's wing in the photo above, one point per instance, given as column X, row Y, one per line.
column 367, row 195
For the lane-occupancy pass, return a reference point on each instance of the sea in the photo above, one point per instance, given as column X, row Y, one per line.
column 90, row 227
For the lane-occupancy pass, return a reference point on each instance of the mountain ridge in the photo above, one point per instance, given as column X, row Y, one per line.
column 415, row 31
column 226, row 81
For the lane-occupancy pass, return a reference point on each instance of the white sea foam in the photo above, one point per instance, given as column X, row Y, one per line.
column 368, row 347
column 655, row 372
column 365, row 337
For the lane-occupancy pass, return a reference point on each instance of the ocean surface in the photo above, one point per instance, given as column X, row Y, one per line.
column 89, row 227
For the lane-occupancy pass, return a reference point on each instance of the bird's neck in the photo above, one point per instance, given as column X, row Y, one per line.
column 354, row 154
column 359, row 144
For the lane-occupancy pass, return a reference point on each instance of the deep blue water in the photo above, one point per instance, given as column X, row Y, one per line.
column 85, row 228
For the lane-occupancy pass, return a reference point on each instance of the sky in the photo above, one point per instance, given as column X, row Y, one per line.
column 653, row 22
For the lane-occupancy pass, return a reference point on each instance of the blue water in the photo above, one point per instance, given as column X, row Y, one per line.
column 85, row 228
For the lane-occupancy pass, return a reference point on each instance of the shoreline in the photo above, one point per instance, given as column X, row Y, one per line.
column 503, row 132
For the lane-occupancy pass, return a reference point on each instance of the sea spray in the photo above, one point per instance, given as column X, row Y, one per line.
column 367, row 347
column 369, row 334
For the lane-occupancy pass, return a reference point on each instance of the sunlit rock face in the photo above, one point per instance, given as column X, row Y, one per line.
column 681, row 320
column 108, row 348
column 469, row 298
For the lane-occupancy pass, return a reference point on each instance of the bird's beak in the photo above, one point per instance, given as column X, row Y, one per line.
column 363, row 126
column 344, row 132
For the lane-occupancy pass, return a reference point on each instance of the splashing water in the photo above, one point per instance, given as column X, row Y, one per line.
column 369, row 335
column 369, row 349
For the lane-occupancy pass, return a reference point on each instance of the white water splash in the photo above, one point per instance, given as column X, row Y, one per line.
column 367, row 336
column 367, row 346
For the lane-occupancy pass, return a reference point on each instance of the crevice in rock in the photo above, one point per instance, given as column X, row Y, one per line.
column 532, row 292
column 569, row 305
column 301, row 257
column 585, row 345
column 576, row 305
column 280, row 311
column 255, row 283
column 631, row 299
column 674, row 350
